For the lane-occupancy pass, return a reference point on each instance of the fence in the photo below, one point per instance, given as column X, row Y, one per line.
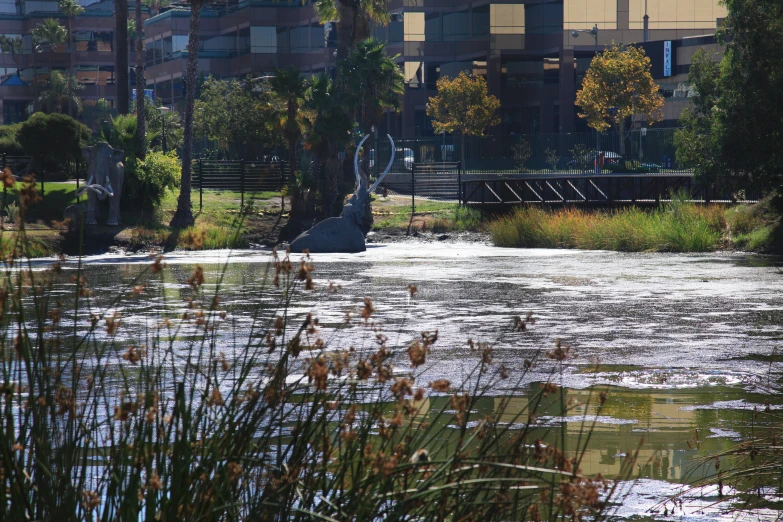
column 239, row 176
column 649, row 151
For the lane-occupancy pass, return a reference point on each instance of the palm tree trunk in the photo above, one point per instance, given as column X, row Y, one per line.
column 183, row 217
column 70, row 66
column 141, row 141
column 121, row 60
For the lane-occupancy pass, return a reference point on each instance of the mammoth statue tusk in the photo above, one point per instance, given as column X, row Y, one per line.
column 98, row 189
column 356, row 160
column 388, row 167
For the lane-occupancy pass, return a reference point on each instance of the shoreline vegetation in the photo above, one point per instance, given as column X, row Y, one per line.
column 678, row 226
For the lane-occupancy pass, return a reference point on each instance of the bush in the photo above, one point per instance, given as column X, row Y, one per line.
column 146, row 182
column 53, row 139
column 8, row 142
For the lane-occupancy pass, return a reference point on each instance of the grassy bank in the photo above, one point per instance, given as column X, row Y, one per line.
column 395, row 212
column 676, row 227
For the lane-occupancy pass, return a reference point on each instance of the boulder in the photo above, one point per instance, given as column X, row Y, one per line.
column 333, row 235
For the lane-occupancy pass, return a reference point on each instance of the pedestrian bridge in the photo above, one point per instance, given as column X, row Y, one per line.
column 597, row 190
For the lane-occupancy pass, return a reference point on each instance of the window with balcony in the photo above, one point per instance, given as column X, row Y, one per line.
column 263, row 40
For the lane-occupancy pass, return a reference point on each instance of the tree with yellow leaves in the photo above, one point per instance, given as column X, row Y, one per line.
column 618, row 86
column 463, row 105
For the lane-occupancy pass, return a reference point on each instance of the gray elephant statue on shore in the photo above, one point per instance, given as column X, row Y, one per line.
column 105, row 176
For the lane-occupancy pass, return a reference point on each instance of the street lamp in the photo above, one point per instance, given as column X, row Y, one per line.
column 594, row 33
column 163, row 110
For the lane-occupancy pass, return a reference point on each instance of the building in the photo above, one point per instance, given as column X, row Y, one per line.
column 23, row 71
column 526, row 49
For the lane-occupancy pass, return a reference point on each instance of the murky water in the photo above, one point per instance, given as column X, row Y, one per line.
column 684, row 344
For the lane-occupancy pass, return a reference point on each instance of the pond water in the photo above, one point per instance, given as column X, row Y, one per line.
column 684, row 344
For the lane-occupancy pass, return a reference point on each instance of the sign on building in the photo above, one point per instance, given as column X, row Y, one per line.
column 667, row 58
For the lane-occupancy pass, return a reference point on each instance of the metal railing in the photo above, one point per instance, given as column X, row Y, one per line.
column 245, row 177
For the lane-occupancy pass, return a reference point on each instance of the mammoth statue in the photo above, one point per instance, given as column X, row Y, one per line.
column 343, row 234
column 104, row 180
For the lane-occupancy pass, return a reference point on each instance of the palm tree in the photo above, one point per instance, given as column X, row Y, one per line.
column 58, row 94
column 141, row 149
column 371, row 82
column 353, row 20
column 52, row 34
column 326, row 128
column 121, row 56
column 71, row 9
column 289, row 87
column 183, row 217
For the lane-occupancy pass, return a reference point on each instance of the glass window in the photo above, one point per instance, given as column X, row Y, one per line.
column 543, row 18
column 414, row 27
column 583, row 14
column 149, row 55
column 455, row 26
column 506, row 19
column 167, row 45
column 676, row 14
column 263, row 40
column 16, row 45
column 522, row 73
column 7, row 72
column 395, row 31
column 7, row 6
column 179, row 43
column 433, row 27
column 243, row 40
column 283, row 45
column 414, row 74
column 481, row 24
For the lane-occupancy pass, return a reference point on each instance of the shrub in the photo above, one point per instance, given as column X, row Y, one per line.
column 146, row 182
column 8, row 141
column 53, row 138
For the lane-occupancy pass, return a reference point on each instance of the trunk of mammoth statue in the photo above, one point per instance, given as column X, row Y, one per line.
column 105, row 176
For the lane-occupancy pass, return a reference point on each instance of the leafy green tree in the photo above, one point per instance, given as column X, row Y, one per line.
column 746, row 120
column 53, row 138
column 120, row 132
column 618, row 86
column 51, row 34
column 55, row 95
column 238, row 112
column 696, row 143
column 326, row 128
column 183, row 216
column 71, row 9
column 147, row 181
column 289, row 87
column 463, row 105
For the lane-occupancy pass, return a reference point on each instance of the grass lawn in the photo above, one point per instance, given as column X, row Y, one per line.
column 394, row 212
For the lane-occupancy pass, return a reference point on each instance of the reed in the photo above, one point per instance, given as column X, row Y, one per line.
column 675, row 227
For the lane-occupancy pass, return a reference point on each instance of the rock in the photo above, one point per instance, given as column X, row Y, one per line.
column 337, row 234
column 443, row 237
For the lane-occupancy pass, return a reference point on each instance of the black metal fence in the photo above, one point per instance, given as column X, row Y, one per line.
column 245, row 177
column 642, row 151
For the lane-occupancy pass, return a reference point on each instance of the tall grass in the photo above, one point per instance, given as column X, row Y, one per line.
column 100, row 423
column 676, row 227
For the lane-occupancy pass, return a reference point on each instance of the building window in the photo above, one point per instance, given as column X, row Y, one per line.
column 455, row 26
column 676, row 14
column 507, row 19
column 263, row 40
column 414, row 27
column 414, row 74
column 583, row 14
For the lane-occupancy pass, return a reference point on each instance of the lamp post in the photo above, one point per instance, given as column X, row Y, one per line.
column 163, row 110
column 594, row 33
